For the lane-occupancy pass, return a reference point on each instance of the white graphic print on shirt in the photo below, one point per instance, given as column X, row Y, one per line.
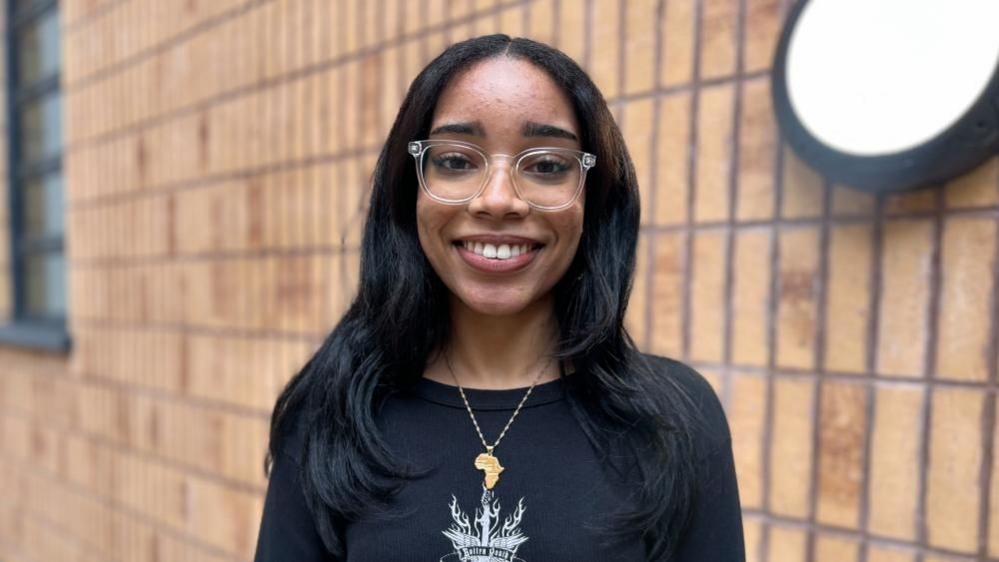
column 483, row 540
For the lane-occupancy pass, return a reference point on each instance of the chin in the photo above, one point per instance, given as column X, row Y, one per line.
column 495, row 304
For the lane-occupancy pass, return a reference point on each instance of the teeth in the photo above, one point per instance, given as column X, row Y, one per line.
column 492, row 251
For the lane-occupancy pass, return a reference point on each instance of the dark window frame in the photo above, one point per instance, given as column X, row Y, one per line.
column 22, row 329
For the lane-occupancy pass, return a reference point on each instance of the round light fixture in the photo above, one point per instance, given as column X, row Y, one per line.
column 886, row 95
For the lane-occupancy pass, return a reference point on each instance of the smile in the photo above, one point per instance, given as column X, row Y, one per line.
column 497, row 251
column 497, row 258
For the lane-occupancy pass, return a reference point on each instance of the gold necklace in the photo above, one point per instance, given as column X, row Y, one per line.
column 487, row 462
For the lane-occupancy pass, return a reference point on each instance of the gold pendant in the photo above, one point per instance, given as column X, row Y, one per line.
column 490, row 464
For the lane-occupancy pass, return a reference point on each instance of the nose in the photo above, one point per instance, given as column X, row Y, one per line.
column 499, row 196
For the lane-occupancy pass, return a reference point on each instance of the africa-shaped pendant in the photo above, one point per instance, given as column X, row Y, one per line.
column 491, row 466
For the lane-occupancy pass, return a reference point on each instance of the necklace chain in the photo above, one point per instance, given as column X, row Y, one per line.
column 489, row 448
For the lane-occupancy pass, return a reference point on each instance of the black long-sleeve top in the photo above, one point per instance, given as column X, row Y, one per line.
column 552, row 483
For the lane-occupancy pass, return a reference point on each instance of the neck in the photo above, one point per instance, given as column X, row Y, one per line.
column 498, row 352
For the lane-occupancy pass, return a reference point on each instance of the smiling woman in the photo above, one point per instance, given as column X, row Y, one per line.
column 508, row 106
column 481, row 399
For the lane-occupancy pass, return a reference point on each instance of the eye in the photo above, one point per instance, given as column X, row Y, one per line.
column 453, row 162
column 547, row 166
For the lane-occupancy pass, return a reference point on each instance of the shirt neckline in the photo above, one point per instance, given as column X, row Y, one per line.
column 488, row 399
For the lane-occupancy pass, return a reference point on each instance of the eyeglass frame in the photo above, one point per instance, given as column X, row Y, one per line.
column 417, row 149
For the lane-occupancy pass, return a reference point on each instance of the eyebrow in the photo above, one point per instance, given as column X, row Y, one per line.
column 473, row 128
column 531, row 129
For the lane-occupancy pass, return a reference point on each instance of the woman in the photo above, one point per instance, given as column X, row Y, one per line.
column 481, row 400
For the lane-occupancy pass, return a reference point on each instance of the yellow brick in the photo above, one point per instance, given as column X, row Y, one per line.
column 44, row 543
column 907, row 202
column 392, row 91
column 757, row 152
column 667, row 294
column 993, row 530
column 851, row 202
column 638, row 125
column 965, row 318
column 436, row 42
column 541, row 21
column 334, row 110
column 640, row 46
column 933, row 558
column 978, row 188
column 16, row 433
column 677, row 50
column 512, row 21
column 905, row 270
column 672, row 160
column 350, row 25
column 895, row 462
column 718, row 37
column 371, row 91
column 953, row 491
column 750, row 297
column 204, row 437
column 222, row 517
column 350, row 97
column 244, row 443
column 829, row 548
column 714, row 153
column 762, row 28
column 354, row 199
column 193, row 219
column 486, row 24
column 752, row 531
column 330, row 182
column 606, row 65
column 747, row 419
column 843, row 425
column 848, row 306
column 802, row 188
column 375, row 15
column 791, row 450
column 707, row 293
column 787, row 544
column 878, row 553
column 797, row 297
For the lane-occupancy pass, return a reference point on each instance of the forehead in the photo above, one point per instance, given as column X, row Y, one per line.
column 505, row 91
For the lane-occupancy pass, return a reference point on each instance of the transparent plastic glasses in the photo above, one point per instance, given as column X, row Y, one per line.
column 455, row 172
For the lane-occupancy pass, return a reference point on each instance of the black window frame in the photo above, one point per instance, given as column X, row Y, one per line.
column 24, row 330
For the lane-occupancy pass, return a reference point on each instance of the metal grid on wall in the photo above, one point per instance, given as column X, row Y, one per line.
column 217, row 155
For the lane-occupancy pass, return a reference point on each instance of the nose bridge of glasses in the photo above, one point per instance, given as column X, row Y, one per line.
column 497, row 158
column 500, row 168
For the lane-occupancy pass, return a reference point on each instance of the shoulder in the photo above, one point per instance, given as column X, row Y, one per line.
column 292, row 433
column 691, row 391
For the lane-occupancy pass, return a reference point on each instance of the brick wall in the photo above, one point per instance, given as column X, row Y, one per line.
column 216, row 162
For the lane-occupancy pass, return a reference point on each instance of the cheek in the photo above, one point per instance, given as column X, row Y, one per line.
column 570, row 225
column 432, row 219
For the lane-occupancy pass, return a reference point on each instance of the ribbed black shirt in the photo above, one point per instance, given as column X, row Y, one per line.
column 553, row 483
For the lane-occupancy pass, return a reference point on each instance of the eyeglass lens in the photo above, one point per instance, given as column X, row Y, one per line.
column 544, row 178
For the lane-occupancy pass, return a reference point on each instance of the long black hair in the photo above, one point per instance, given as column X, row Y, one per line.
column 400, row 316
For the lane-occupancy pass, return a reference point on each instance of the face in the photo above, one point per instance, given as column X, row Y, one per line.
column 505, row 106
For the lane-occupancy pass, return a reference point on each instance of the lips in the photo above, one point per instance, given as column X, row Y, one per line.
column 497, row 254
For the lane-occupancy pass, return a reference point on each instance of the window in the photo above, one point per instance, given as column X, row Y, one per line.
column 34, row 103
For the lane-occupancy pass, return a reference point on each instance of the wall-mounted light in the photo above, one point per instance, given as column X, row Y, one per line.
column 886, row 95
